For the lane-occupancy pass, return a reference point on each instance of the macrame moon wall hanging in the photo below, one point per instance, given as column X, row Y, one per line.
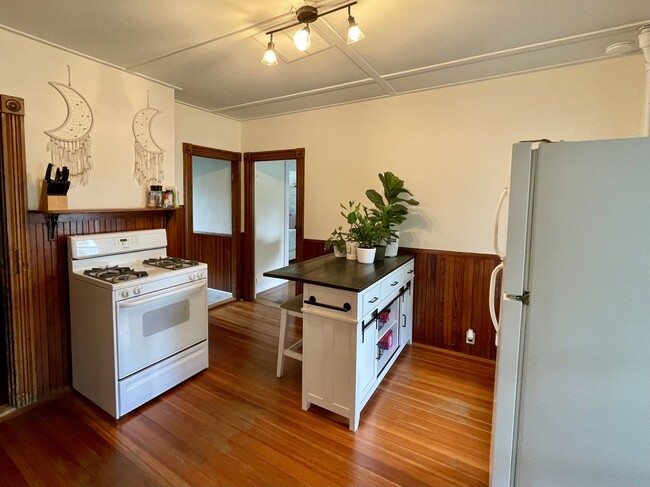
column 69, row 143
column 148, row 155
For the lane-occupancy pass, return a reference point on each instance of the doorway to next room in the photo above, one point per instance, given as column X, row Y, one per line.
column 212, row 216
column 275, row 229
column 274, row 183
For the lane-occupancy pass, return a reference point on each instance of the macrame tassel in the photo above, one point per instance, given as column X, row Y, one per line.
column 75, row 154
column 148, row 166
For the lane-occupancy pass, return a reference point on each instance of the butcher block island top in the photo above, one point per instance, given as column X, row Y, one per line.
column 339, row 272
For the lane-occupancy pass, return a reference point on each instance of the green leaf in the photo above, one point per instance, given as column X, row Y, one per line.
column 375, row 198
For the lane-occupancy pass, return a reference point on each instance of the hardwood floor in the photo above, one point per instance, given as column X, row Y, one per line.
column 277, row 295
column 237, row 424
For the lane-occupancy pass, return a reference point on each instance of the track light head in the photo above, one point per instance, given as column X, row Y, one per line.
column 354, row 32
column 270, row 58
column 302, row 39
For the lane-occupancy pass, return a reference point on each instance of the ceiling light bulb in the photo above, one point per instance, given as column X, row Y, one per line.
column 302, row 39
column 354, row 32
column 270, row 58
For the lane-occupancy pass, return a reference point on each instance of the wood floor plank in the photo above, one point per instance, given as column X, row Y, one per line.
column 236, row 424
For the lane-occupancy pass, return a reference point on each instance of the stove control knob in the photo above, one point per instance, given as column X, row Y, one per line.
column 202, row 275
column 137, row 290
column 125, row 293
column 192, row 277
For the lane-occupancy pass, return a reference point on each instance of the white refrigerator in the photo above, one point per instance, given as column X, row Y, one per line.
column 572, row 393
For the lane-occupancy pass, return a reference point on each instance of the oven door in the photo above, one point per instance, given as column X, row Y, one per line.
column 160, row 324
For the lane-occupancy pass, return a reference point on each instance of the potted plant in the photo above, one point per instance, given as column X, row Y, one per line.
column 392, row 210
column 384, row 236
column 366, row 232
column 337, row 240
column 352, row 214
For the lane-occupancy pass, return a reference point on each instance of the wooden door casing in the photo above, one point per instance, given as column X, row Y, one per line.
column 248, row 248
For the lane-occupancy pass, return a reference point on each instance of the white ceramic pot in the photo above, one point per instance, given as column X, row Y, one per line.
column 392, row 247
column 366, row 256
column 351, row 250
column 338, row 253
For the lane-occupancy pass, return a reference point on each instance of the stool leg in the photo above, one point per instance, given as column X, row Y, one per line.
column 283, row 332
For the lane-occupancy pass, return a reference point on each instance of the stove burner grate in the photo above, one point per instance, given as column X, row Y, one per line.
column 114, row 274
column 171, row 262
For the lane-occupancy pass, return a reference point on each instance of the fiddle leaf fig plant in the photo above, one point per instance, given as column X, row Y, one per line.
column 391, row 208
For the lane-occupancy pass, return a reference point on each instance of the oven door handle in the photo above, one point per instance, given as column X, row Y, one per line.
column 167, row 294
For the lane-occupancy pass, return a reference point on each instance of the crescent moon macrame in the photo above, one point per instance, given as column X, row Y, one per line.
column 69, row 143
column 148, row 155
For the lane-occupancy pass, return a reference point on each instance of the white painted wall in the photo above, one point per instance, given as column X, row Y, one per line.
column 194, row 126
column 452, row 145
column 114, row 96
column 212, row 195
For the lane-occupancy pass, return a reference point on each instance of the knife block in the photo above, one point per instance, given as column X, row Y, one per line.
column 52, row 202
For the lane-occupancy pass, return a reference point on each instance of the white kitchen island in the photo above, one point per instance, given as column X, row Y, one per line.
column 357, row 319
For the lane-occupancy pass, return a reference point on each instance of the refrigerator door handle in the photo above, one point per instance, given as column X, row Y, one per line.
column 493, row 313
column 497, row 217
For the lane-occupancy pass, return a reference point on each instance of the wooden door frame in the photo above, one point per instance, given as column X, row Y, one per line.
column 250, row 158
column 234, row 158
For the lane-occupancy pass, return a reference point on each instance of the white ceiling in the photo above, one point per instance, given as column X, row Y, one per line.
column 211, row 49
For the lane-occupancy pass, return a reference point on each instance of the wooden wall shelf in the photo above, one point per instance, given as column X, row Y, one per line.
column 55, row 216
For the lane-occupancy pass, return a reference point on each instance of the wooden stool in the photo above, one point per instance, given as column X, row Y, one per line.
column 291, row 307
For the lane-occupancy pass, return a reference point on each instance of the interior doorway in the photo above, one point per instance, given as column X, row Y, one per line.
column 212, row 186
column 274, row 219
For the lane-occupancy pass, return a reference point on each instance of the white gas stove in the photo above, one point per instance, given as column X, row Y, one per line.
column 138, row 318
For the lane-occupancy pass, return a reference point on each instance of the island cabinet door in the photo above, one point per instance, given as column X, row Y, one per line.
column 406, row 319
column 366, row 341
column 328, row 362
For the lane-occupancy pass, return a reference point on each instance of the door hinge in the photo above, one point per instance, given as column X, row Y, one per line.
column 522, row 298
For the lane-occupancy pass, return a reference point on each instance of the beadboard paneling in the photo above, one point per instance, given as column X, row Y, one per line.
column 216, row 251
column 48, row 263
column 451, row 296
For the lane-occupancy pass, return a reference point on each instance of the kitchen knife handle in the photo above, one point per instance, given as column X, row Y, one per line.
column 48, row 172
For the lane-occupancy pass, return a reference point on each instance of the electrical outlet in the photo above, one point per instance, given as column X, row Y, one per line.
column 470, row 337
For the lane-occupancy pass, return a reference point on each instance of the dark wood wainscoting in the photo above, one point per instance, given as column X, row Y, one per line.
column 451, row 295
column 216, row 251
column 48, row 263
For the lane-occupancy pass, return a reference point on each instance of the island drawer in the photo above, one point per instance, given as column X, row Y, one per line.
column 371, row 298
column 392, row 282
column 409, row 270
column 331, row 301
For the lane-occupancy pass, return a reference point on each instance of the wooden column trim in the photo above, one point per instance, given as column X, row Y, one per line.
column 16, row 275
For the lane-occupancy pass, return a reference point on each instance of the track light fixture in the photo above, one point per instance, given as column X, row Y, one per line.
column 302, row 38
column 270, row 58
column 354, row 32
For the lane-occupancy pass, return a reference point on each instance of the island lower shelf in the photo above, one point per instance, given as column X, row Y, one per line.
column 352, row 338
